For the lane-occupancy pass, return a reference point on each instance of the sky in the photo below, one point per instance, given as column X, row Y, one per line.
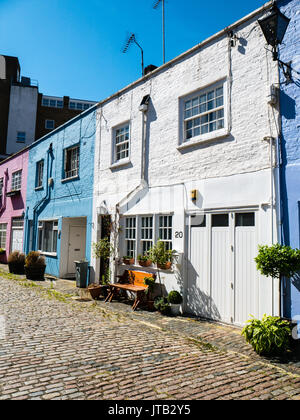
column 74, row 47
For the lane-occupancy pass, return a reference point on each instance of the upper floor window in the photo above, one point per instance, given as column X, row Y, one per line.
column 53, row 103
column 50, row 124
column 39, row 174
column 71, row 162
column 203, row 112
column 16, row 182
column 121, row 142
column 21, row 137
column 79, row 106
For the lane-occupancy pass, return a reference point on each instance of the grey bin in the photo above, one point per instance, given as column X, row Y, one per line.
column 81, row 274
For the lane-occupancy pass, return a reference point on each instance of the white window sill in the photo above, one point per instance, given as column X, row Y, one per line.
column 152, row 268
column 120, row 163
column 72, row 178
column 49, row 254
column 215, row 135
column 38, row 188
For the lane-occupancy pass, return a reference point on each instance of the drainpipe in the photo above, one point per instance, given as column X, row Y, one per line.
column 143, row 182
column 3, row 205
column 36, row 207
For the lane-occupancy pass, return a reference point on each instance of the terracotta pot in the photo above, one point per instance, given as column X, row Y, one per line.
column 128, row 262
column 145, row 263
column 166, row 266
column 35, row 272
column 95, row 291
column 16, row 268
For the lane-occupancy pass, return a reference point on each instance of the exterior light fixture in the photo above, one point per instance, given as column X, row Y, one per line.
column 194, row 196
column 274, row 27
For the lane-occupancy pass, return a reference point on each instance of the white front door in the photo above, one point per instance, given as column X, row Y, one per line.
column 17, row 234
column 198, row 291
column 221, row 299
column 77, row 242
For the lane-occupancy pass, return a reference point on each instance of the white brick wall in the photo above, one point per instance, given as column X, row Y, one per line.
column 243, row 151
column 229, row 172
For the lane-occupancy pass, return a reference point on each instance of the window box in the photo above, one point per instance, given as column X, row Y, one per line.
column 13, row 193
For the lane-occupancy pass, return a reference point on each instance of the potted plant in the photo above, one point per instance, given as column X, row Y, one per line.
column 149, row 281
column 2, row 251
column 103, row 249
column 144, row 260
column 162, row 305
column 269, row 336
column 161, row 256
column 175, row 300
column 128, row 260
column 35, row 265
column 16, row 261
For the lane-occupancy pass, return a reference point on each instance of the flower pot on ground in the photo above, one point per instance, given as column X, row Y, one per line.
column 162, row 305
column 95, row 290
column 2, row 251
column 16, row 261
column 175, row 300
column 35, row 265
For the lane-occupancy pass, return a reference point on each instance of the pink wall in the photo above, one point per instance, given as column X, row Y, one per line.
column 11, row 207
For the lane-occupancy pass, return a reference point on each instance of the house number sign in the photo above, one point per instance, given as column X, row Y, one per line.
column 179, row 235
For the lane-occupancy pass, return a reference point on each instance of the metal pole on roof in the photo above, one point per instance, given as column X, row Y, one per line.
column 155, row 6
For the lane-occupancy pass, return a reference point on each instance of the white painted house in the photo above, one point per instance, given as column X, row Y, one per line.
column 204, row 128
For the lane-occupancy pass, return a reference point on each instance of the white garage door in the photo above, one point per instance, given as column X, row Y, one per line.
column 222, row 277
column 17, row 234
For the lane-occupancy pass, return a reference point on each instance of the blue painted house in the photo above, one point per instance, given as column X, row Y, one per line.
column 290, row 148
column 59, row 206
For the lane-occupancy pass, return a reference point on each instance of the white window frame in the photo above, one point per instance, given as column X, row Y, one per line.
column 21, row 137
column 16, row 180
column 130, row 236
column 39, row 174
column 3, row 234
column 183, row 119
column 71, row 170
column 115, row 145
column 52, row 103
column 138, row 240
column 146, row 233
column 52, row 123
column 54, row 239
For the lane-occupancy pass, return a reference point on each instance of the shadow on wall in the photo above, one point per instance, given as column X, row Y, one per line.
column 198, row 302
column 288, row 106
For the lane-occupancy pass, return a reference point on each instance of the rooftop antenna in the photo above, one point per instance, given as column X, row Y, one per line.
column 130, row 40
column 155, row 6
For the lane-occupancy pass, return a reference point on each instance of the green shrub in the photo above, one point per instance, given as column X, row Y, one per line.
column 269, row 336
column 160, row 255
column 278, row 260
column 149, row 281
column 162, row 305
column 175, row 297
column 103, row 249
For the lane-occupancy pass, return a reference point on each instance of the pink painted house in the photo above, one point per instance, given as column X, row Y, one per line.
column 13, row 184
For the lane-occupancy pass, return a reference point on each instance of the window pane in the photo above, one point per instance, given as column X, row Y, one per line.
column 220, row 220
column 245, row 219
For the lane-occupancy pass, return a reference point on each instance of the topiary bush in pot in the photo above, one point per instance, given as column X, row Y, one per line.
column 35, row 265
column 175, row 300
column 16, row 261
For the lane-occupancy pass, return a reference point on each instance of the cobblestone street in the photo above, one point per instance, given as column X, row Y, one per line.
column 58, row 348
